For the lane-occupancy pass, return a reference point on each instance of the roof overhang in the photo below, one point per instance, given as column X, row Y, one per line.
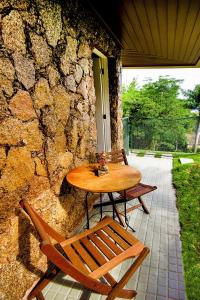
column 154, row 33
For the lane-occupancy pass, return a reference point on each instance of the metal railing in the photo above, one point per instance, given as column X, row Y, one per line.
column 160, row 134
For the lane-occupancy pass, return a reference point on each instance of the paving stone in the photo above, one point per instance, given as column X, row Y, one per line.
column 162, row 291
column 173, row 284
column 173, row 293
column 150, row 297
column 161, row 298
column 182, row 295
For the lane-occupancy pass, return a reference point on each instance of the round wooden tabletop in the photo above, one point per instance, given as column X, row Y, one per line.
column 119, row 178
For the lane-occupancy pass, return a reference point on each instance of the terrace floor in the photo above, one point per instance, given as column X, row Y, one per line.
column 161, row 275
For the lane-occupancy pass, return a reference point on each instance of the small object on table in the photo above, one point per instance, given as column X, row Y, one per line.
column 103, row 168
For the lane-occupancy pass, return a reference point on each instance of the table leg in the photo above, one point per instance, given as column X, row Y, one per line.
column 101, row 207
column 115, row 210
column 125, row 213
column 87, row 212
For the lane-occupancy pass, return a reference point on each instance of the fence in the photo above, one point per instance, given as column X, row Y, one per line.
column 160, row 134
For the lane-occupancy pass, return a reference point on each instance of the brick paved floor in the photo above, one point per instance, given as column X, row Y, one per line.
column 161, row 275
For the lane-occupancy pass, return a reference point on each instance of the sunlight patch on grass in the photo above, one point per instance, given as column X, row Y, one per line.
column 186, row 179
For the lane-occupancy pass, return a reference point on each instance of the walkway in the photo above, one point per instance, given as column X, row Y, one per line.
column 161, row 274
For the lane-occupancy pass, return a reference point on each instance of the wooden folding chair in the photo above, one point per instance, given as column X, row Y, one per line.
column 119, row 156
column 89, row 256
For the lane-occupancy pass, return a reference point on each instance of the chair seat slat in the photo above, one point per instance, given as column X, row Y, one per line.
column 74, row 258
column 104, row 222
column 123, row 233
column 85, row 256
column 108, row 241
column 102, row 247
column 99, row 258
column 116, row 238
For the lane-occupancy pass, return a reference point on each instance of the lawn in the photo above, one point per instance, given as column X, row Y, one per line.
column 186, row 179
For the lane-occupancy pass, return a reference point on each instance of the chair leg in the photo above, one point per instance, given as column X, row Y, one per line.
column 37, row 290
column 119, row 286
column 40, row 296
column 143, row 205
column 115, row 210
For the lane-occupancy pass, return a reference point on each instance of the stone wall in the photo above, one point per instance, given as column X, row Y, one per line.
column 47, row 123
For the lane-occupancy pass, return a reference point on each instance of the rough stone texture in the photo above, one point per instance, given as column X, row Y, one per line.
column 115, row 103
column 78, row 73
column 32, row 136
column 69, row 55
column 25, row 70
column 61, row 103
column 54, row 76
column 47, row 123
column 2, row 157
column 70, row 83
column 84, row 50
column 41, row 50
column 6, row 68
column 13, row 32
column 18, row 4
column 40, row 168
column 42, row 95
column 15, row 133
column 84, row 63
column 22, row 107
column 51, row 16
column 8, row 136
column 19, row 169
column 6, row 85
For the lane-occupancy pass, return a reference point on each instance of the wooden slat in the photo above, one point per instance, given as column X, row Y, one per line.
column 153, row 21
column 127, row 25
column 193, row 44
column 116, row 238
column 131, row 252
column 74, row 258
column 133, row 16
column 162, row 21
column 171, row 25
column 129, row 238
column 99, row 258
column 102, row 247
column 180, row 26
column 104, row 222
column 85, row 256
column 108, row 241
column 191, row 19
column 142, row 14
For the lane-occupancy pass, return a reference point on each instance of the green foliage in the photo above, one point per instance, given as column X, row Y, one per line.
column 193, row 101
column 156, row 115
column 186, row 179
column 193, row 98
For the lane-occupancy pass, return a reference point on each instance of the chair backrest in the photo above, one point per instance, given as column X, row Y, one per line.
column 116, row 156
column 45, row 231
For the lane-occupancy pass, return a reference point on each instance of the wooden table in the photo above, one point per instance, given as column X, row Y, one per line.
column 119, row 178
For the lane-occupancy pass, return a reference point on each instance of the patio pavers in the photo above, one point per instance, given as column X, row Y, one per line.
column 161, row 274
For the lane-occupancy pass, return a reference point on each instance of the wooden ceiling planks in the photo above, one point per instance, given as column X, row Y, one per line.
column 154, row 32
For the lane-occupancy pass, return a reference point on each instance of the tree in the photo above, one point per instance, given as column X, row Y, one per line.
column 193, row 102
column 156, row 111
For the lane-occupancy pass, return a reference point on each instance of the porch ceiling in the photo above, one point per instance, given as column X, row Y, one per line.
column 154, row 32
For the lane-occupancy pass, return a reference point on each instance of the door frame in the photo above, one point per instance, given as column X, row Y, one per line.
column 104, row 82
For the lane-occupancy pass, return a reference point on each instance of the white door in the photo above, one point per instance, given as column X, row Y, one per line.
column 100, row 69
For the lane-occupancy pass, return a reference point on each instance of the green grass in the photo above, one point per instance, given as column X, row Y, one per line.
column 158, row 154
column 141, row 153
column 186, row 179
